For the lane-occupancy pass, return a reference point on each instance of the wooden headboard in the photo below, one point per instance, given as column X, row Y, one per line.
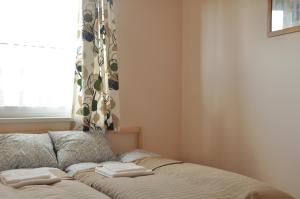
column 127, row 139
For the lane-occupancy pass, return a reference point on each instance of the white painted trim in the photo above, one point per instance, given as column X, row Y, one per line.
column 34, row 120
column 34, row 112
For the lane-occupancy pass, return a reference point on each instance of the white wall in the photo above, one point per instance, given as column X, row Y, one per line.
column 241, row 92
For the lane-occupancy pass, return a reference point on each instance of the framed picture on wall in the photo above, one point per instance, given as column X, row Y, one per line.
column 284, row 17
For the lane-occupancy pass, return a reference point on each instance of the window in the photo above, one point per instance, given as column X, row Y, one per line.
column 37, row 57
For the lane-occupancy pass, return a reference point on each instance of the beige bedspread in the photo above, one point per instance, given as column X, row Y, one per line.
column 66, row 189
column 177, row 180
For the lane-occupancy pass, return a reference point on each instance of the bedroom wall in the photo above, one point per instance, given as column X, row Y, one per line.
column 150, row 59
column 240, row 105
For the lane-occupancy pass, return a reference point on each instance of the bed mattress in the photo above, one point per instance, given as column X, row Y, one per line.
column 66, row 189
column 178, row 180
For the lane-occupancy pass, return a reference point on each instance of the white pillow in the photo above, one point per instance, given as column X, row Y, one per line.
column 136, row 155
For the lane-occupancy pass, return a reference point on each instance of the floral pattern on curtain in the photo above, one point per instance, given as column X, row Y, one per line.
column 96, row 100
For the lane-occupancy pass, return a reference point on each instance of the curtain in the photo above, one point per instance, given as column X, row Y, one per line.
column 96, row 100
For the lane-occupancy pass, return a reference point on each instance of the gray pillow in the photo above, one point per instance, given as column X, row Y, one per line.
column 74, row 147
column 26, row 151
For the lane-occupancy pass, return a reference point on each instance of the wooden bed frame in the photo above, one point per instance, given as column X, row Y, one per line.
column 127, row 139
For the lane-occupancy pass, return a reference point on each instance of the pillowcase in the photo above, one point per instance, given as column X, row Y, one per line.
column 74, row 168
column 26, row 151
column 136, row 155
column 74, row 147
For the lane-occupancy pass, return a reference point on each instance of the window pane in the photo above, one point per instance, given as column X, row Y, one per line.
column 39, row 22
column 37, row 57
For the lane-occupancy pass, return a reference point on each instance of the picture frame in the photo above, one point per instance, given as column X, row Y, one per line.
column 283, row 17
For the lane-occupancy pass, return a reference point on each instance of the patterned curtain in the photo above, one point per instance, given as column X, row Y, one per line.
column 96, row 100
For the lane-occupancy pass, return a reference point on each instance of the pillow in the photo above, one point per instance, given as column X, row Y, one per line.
column 136, row 155
column 26, row 151
column 74, row 168
column 74, row 147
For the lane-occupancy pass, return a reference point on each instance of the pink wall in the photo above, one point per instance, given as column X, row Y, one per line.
column 240, row 92
column 150, row 59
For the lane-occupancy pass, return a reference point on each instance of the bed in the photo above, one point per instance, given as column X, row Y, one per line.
column 29, row 170
column 176, row 179
column 172, row 179
column 65, row 189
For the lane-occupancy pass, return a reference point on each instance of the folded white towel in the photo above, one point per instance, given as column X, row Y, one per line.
column 123, row 167
column 21, row 177
column 108, row 173
column 11, row 179
column 35, row 182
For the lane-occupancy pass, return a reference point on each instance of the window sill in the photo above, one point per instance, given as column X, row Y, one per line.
column 35, row 120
